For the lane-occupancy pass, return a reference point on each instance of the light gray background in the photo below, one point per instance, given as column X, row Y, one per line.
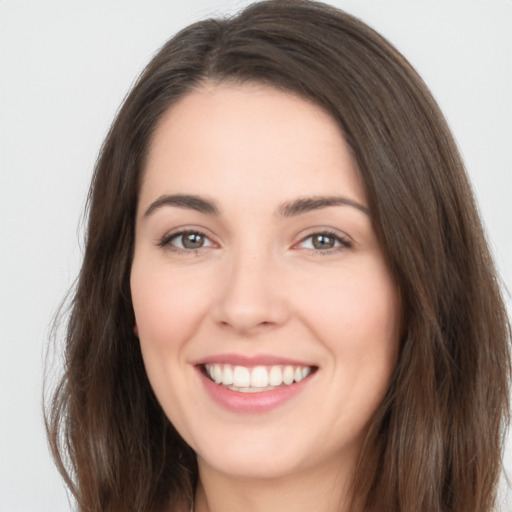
column 65, row 66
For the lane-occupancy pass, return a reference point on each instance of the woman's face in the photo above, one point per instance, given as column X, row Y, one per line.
column 267, row 317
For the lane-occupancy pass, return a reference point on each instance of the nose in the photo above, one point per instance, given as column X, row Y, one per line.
column 252, row 297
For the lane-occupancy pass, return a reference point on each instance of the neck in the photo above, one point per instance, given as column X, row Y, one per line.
column 322, row 491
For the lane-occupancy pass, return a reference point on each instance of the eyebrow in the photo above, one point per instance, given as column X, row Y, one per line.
column 288, row 209
column 307, row 204
column 186, row 201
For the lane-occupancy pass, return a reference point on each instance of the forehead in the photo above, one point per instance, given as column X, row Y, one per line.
column 250, row 137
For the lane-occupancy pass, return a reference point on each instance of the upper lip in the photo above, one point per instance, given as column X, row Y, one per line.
column 250, row 361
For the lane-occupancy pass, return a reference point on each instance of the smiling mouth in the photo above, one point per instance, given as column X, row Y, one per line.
column 256, row 379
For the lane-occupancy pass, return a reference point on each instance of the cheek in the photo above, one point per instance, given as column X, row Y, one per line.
column 358, row 320
column 167, row 306
column 167, row 312
column 362, row 308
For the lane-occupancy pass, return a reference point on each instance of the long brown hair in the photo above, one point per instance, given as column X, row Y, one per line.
column 435, row 443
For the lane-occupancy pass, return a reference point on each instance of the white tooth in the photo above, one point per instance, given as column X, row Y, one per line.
column 227, row 375
column 288, row 375
column 259, row 377
column 298, row 374
column 275, row 377
column 241, row 377
column 306, row 371
column 217, row 373
column 209, row 370
column 251, row 389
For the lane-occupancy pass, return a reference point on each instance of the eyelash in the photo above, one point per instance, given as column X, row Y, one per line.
column 342, row 242
column 166, row 241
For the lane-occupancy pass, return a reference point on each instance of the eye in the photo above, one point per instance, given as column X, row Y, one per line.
column 324, row 242
column 186, row 241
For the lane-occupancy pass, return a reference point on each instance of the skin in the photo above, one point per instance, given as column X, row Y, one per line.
column 258, row 285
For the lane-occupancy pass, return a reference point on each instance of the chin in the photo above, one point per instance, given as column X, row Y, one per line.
column 248, row 466
column 276, row 455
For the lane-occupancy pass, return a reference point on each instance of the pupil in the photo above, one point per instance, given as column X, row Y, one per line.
column 193, row 241
column 323, row 242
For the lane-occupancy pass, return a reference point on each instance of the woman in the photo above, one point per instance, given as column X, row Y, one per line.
column 286, row 298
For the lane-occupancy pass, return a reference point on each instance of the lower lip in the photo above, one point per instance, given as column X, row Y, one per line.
column 252, row 403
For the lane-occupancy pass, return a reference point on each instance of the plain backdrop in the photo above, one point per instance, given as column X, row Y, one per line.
column 65, row 67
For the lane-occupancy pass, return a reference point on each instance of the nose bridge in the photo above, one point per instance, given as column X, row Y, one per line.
column 251, row 296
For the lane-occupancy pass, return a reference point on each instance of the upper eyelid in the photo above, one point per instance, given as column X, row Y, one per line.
column 327, row 234
column 318, row 230
column 342, row 240
column 188, row 229
column 171, row 234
